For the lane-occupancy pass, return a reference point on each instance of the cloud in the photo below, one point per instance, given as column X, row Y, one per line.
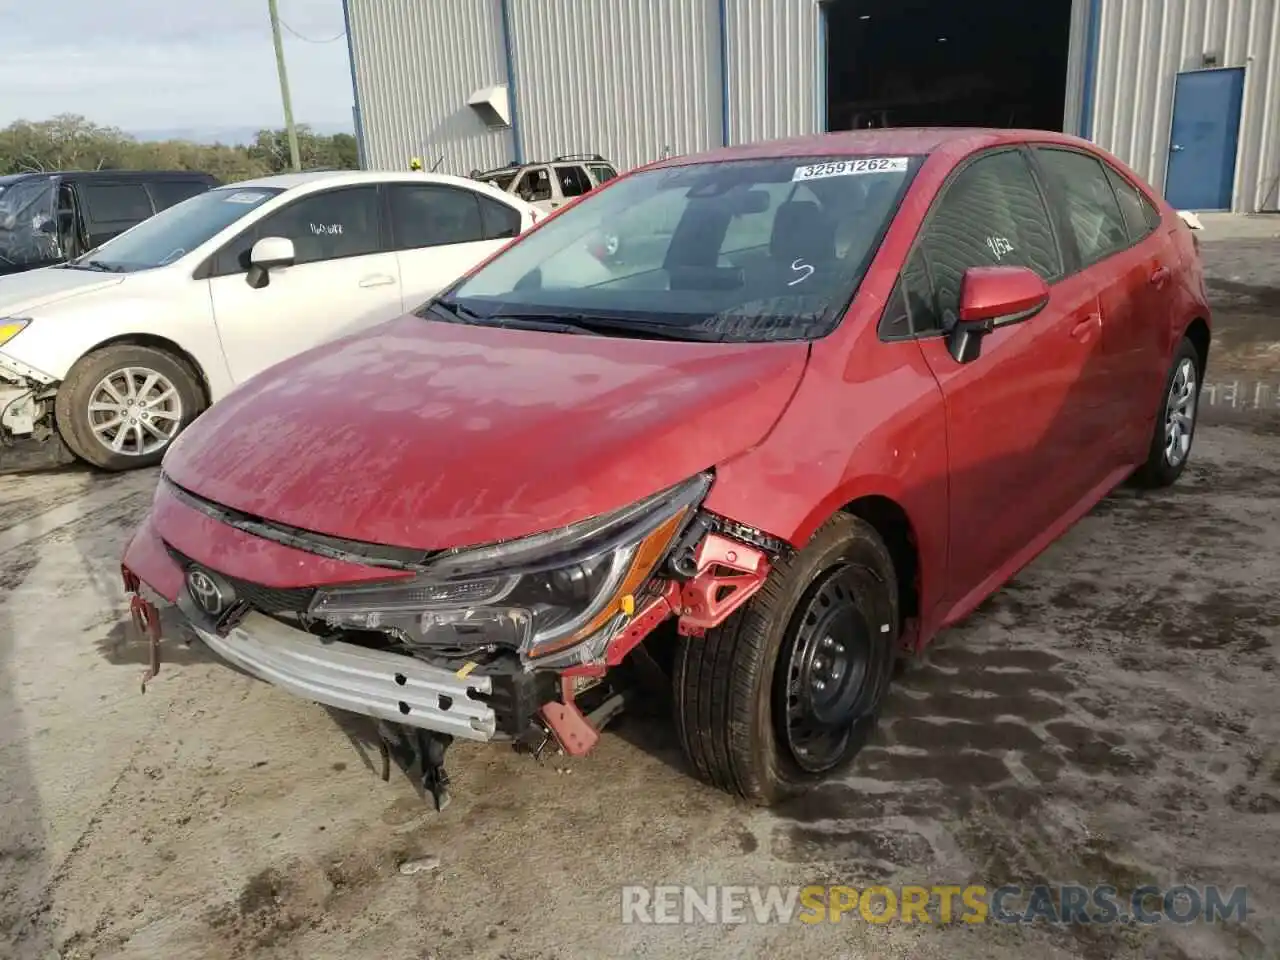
column 153, row 64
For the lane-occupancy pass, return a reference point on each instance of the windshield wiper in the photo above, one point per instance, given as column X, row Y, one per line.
column 93, row 265
column 604, row 325
column 451, row 312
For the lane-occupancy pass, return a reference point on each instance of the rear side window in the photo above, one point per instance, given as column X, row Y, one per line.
column 432, row 215
column 499, row 220
column 991, row 215
column 167, row 193
column 574, row 181
column 1093, row 212
column 1139, row 214
column 603, row 173
column 116, row 202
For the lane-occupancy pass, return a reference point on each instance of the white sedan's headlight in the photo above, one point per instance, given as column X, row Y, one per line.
column 10, row 327
column 539, row 595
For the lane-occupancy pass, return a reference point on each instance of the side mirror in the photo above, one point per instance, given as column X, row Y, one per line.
column 267, row 254
column 991, row 298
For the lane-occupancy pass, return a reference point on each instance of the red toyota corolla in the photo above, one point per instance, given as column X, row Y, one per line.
column 763, row 417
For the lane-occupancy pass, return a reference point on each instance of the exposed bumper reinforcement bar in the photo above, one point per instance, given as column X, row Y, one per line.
column 388, row 686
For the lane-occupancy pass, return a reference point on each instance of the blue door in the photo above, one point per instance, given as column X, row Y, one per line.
column 1204, row 137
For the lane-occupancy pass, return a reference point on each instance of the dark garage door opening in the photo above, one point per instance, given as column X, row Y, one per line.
column 947, row 63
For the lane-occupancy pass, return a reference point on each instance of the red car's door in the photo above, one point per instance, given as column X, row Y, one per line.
column 1021, row 418
column 1114, row 230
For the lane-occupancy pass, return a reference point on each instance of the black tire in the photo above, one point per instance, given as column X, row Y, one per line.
column 1160, row 469
column 71, row 408
column 731, row 701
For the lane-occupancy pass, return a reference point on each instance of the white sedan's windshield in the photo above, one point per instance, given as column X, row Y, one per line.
column 741, row 250
column 174, row 232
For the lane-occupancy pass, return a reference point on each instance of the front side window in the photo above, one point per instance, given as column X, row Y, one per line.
column 534, row 185
column 740, row 250
column 991, row 215
column 432, row 215
column 116, row 202
column 1092, row 211
column 172, row 233
column 328, row 226
column 28, row 236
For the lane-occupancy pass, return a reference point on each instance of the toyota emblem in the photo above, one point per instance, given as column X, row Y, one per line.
column 205, row 592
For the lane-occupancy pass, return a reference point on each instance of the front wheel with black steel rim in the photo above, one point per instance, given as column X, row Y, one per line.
column 1175, row 427
column 785, row 692
column 120, row 407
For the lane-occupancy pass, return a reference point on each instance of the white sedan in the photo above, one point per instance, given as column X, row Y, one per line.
column 118, row 350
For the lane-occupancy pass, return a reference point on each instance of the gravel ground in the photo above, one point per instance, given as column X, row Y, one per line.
column 1108, row 717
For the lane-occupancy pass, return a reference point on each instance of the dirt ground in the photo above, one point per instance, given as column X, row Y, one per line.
column 1108, row 717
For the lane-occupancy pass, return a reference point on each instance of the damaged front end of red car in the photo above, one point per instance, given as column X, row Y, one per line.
column 518, row 641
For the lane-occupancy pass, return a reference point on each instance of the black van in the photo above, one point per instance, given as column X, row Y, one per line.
column 46, row 218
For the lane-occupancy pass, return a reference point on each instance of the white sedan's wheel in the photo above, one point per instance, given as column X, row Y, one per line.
column 135, row 411
column 120, row 407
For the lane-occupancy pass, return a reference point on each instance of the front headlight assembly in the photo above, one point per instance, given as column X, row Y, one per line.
column 10, row 327
column 539, row 596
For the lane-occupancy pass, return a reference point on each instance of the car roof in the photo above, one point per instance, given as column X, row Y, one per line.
column 954, row 141
column 340, row 178
column 111, row 175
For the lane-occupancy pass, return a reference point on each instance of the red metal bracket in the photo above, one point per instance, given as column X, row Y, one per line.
column 729, row 574
column 570, row 728
column 146, row 620
column 643, row 623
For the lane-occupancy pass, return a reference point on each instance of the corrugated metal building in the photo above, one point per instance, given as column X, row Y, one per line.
column 474, row 84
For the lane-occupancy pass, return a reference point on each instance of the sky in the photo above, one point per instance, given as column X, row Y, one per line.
column 146, row 65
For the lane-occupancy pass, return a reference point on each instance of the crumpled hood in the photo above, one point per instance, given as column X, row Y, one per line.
column 432, row 435
column 21, row 293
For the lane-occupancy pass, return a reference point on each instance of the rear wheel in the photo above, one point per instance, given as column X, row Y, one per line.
column 121, row 407
column 786, row 692
column 1174, row 429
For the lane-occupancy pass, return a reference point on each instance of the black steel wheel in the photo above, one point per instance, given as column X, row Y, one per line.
column 829, row 681
column 785, row 692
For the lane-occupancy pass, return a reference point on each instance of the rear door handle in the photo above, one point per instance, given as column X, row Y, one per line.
column 1160, row 276
column 1084, row 329
column 377, row 280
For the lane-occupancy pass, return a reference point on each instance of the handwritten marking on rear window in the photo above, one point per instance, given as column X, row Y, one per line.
column 849, row 168
column 245, row 197
column 326, row 229
column 1000, row 247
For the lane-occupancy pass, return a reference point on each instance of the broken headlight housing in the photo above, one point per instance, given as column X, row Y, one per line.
column 539, row 595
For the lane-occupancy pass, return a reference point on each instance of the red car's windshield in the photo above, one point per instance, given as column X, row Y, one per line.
column 743, row 250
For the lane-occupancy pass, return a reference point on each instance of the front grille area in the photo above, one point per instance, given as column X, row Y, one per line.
column 268, row 600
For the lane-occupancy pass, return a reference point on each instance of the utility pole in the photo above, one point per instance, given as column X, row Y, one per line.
column 294, row 159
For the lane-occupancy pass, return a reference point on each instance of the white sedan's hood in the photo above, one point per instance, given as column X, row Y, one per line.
column 23, row 292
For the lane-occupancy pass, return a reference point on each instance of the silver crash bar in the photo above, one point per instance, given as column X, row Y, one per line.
column 388, row 686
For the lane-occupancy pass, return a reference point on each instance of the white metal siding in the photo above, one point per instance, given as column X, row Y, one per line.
column 776, row 86
column 629, row 79
column 1144, row 44
column 417, row 62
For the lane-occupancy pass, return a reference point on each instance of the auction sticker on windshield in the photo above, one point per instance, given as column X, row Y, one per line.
column 847, row 168
column 246, row 197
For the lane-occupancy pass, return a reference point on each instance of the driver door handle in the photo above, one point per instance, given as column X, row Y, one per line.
column 377, row 280
column 1083, row 331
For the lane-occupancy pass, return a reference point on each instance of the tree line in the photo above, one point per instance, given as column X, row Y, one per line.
column 71, row 142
